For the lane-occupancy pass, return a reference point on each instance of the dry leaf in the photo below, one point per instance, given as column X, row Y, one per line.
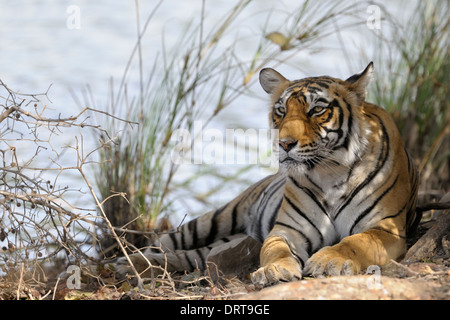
column 280, row 39
column 248, row 77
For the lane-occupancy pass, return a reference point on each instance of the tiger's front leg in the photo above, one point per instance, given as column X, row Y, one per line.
column 355, row 253
column 277, row 263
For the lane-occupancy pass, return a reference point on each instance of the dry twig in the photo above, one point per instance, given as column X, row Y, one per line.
column 39, row 216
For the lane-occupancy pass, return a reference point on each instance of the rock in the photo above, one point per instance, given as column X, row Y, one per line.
column 433, row 244
column 238, row 257
column 362, row 287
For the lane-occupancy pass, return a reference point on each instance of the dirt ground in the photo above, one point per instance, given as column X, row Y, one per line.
column 424, row 274
column 424, row 281
column 416, row 281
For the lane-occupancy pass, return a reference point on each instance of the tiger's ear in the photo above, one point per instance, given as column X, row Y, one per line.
column 358, row 82
column 272, row 81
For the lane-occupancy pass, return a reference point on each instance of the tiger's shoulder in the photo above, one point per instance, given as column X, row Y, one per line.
column 381, row 121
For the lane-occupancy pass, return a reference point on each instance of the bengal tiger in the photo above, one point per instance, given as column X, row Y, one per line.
column 343, row 199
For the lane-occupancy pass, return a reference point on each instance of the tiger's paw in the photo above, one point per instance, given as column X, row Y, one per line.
column 281, row 271
column 329, row 261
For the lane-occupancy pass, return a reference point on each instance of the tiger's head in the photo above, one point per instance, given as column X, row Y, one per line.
column 318, row 118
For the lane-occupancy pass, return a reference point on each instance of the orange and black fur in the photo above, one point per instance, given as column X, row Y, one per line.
column 344, row 198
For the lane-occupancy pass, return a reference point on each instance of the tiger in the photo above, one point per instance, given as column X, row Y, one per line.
column 343, row 199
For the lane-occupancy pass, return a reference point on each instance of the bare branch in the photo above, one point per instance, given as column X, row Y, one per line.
column 39, row 218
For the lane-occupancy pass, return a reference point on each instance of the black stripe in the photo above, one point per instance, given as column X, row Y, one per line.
column 338, row 131
column 234, row 216
column 346, row 142
column 382, row 158
column 214, row 226
column 322, row 99
column 314, row 184
column 308, row 242
column 330, row 115
column 172, row 236
column 369, row 209
column 192, row 232
column 202, row 258
column 349, row 174
column 186, row 235
column 396, row 214
column 274, row 189
column 235, row 227
column 191, row 265
column 304, row 216
column 321, row 83
column 273, row 218
column 155, row 250
column 300, row 260
column 301, row 97
column 310, row 194
column 261, row 211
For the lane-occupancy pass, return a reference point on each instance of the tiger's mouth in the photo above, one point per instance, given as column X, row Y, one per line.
column 307, row 161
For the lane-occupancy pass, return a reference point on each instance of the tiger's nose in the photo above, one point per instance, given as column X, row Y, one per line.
column 288, row 144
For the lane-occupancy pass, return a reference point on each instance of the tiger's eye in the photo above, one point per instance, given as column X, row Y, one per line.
column 318, row 109
column 280, row 111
